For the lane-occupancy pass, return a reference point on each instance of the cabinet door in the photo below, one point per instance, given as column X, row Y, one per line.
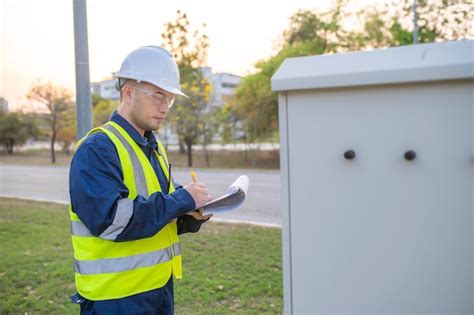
column 378, row 233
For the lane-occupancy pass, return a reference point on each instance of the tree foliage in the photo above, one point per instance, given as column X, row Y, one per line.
column 228, row 122
column 309, row 33
column 189, row 115
column 315, row 33
column 437, row 20
column 102, row 108
column 57, row 102
column 15, row 129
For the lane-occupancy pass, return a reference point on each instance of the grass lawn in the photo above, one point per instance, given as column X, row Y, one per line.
column 227, row 268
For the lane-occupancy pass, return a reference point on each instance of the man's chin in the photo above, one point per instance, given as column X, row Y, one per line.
column 154, row 127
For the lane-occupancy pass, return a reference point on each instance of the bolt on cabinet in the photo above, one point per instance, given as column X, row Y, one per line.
column 377, row 181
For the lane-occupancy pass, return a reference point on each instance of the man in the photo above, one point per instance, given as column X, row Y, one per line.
column 126, row 211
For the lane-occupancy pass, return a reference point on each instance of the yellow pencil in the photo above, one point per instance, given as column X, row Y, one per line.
column 194, row 176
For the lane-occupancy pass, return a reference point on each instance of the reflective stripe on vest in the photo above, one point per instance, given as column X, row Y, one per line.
column 138, row 172
column 105, row 269
column 111, row 265
column 122, row 216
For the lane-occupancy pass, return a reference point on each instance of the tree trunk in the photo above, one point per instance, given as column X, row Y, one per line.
column 54, row 133
column 66, row 148
column 189, row 148
column 254, row 157
column 246, row 159
column 53, row 153
column 182, row 150
column 206, row 153
column 10, row 146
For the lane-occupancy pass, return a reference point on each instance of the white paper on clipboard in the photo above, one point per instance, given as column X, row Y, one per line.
column 233, row 199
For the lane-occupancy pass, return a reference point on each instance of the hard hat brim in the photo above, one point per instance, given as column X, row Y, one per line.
column 175, row 92
column 167, row 89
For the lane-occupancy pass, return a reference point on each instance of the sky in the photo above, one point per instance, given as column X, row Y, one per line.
column 37, row 36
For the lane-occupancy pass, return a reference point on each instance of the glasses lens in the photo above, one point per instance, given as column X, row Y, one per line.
column 162, row 99
column 159, row 97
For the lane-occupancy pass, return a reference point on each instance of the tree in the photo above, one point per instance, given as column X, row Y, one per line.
column 211, row 128
column 15, row 129
column 309, row 33
column 102, row 108
column 314, row 33
column 189, row 115
column 190, row 52
column 437, row 20
column 67, row 135
column 323, row 29
column 228, row 121
column 58, row 103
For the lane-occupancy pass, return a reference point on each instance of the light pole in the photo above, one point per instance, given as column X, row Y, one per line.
column 83, row 90
column 415, row 24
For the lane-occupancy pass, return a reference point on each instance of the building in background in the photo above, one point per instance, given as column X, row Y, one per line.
column 105, row 89
column 223, row 86
column 3, row 105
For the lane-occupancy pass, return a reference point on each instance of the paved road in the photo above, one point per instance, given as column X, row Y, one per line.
column 51, row 183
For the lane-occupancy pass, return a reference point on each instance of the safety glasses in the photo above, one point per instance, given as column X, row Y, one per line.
column 158, row 98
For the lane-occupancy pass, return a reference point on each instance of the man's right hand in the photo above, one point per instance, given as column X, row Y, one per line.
column 199, row 192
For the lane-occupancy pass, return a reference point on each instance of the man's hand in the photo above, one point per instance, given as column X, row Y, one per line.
column 205, row 197
column 198, row 215
column 199, row 192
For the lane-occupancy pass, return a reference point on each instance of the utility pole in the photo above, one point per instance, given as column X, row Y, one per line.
column 83, row 89
column 415, row 24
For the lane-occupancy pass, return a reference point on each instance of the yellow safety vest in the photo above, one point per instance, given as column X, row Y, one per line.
column 105, row 269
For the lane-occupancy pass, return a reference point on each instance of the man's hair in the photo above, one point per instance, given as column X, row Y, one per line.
column 121, row 82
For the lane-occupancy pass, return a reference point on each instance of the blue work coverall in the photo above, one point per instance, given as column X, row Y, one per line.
column 95, row 186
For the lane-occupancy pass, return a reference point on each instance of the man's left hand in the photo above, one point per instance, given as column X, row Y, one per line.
column 199, row 215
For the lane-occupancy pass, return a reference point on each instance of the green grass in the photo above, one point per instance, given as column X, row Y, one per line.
column 228, row 268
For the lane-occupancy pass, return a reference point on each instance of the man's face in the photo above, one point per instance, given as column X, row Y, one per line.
column 149, row 105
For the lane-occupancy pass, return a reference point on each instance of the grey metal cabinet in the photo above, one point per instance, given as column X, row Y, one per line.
column 377, row 181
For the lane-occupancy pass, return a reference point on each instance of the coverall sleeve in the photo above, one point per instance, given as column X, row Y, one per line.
column 99, row 196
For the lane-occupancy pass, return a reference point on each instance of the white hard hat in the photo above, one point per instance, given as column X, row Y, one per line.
column 154, row 65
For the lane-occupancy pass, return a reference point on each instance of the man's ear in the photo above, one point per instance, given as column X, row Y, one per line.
column 126, row 91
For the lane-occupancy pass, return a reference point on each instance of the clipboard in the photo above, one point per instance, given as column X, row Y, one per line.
column 232, row 199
